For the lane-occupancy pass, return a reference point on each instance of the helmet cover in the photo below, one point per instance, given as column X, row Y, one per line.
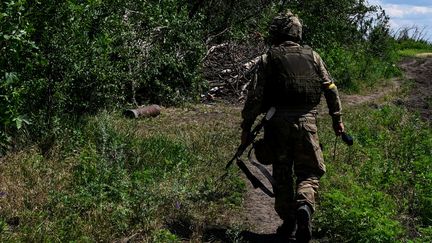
column 286, row 25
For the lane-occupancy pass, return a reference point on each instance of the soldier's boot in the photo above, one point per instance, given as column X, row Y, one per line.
column 286, row 232
column 304, row 228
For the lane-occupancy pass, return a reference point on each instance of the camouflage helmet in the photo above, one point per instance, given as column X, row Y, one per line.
column 286, row 25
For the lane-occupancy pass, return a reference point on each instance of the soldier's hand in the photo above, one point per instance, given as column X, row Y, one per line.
column 338, row 128
column 244, row 137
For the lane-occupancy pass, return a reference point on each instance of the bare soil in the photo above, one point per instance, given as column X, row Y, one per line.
column 259, row 212
column 419, row 72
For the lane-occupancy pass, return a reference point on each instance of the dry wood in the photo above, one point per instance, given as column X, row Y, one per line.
column 228, row 67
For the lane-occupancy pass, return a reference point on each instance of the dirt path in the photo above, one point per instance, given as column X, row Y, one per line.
column 353, row 100
column 259, row 212
column 419, row 70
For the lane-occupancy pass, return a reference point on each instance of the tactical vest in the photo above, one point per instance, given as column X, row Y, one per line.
column 292, row 78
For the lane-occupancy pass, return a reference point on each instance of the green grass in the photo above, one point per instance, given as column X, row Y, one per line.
column 412, row 48
column 355, row 70
column 414, row 52
column 115, row 178
column 379, row 189
column 124, row 178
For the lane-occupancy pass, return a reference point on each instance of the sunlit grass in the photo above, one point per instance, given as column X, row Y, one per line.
column 134, row 178
column 125, row 178
column 415, row 52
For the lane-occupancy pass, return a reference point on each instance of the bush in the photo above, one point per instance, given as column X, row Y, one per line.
column 78, row 57
column 360, row 215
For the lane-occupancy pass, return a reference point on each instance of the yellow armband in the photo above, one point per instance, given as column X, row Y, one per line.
column 330, row 86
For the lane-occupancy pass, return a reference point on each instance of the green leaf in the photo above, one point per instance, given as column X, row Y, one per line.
column 19, row 122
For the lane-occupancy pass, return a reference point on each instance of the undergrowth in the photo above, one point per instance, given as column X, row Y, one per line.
column 129, row 179
column 355, row 71
column 379, row 189
column 409, row 47
column 125, row 178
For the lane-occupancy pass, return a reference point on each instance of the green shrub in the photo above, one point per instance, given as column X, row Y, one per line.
column 359, row 215
column 414, row 44
column 355, row 70
column 77, row 57
column 409, row 47
column 426, row 235
column 164, row 235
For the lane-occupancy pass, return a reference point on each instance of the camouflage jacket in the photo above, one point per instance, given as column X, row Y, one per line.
column 254, row 104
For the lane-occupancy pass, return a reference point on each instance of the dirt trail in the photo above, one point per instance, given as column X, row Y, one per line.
column 259, row 212
column 419, row 70
column 353, row 100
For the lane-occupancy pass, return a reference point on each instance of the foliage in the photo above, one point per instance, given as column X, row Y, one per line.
column 120, row 180
column 409, row 48
column 353, row 38
column 382, row 182
column 357, row 71
column 76, row 57
column 412, row 44
column 113, row 178
column 93, row 178
column 370, row 212
column 18, row 55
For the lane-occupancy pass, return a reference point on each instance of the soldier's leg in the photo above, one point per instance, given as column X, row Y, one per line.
column 308, row 167
column 276, row 135
column 308, row 163
column 285, row 204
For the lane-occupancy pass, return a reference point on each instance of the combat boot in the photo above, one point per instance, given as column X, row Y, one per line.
column 304, row 228
column 286, row 232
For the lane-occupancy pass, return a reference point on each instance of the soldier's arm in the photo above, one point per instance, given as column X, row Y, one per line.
column 254, row 101
column 330, row 91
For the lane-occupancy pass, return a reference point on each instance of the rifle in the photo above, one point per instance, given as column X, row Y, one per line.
column 252, row 135
column 240, row 150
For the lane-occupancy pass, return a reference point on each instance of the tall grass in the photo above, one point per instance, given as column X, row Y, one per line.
column 140, row 179
column 409, row 47
column 125, row 178
column 356, row 70
column 379, row 190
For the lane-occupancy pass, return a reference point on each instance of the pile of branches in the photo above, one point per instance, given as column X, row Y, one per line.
column 228, row 68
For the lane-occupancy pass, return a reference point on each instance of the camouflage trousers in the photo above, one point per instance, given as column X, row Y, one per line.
column 296, row 152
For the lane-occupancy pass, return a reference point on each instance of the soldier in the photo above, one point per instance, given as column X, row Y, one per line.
column 292, row 78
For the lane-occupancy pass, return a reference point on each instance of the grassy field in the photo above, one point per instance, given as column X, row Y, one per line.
column 415, row 52
column 157, row 180
column 117, row 178
column 379, row 189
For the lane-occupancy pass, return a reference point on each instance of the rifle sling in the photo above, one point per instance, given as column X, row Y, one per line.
column 262, row 169
column 255, row 182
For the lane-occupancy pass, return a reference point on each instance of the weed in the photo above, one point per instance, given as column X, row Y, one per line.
column 371, row 186
column 122, row 178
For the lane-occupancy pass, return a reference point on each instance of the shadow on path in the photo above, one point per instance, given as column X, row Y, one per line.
column 248, row 236
column 227, row 235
